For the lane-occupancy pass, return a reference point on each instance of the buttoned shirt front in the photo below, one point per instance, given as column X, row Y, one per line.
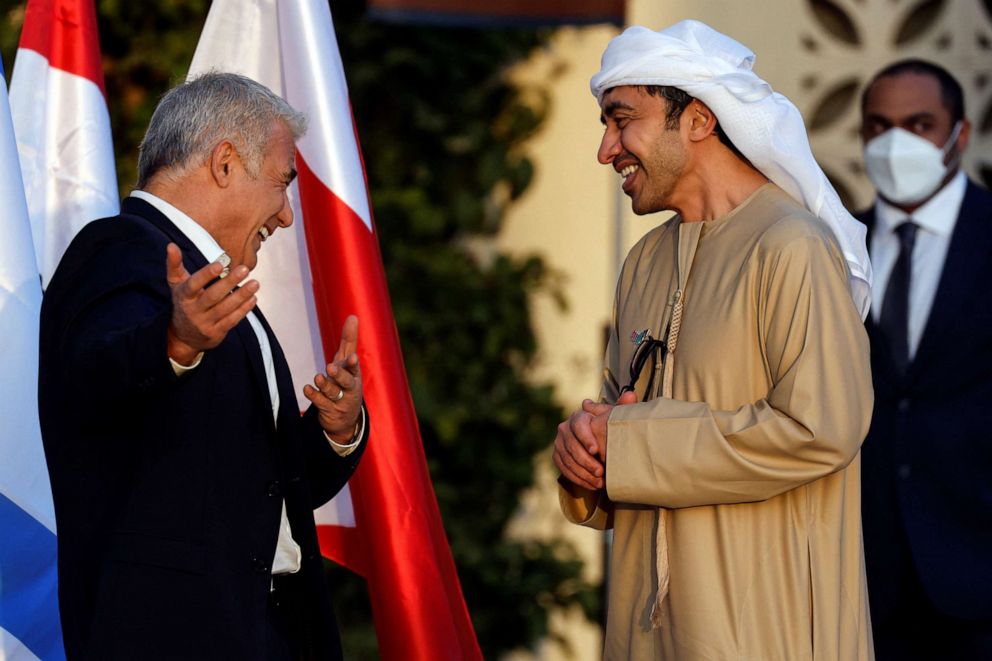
column 935, row 221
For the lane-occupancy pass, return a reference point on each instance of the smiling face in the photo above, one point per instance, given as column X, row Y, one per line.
column 256, row 207
column 639, row 145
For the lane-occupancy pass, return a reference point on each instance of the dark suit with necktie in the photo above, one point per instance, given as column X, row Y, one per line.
column 168, row 490
column 927, row 460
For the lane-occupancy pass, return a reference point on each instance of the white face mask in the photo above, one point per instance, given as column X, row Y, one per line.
column 906, row 168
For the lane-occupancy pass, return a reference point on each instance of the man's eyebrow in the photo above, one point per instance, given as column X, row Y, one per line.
column 915, row 117
column 611, row 108
column 921, row 115
column 876, row 117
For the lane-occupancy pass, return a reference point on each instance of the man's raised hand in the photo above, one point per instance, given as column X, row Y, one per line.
column 337, row 393
column 201, row 315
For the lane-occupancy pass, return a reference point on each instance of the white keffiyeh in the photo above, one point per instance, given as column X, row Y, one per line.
column 764, row 125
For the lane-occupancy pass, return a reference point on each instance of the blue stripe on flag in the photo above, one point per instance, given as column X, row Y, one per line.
column 28, row 582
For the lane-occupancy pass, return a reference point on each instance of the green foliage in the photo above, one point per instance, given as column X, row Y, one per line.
column 444, row 134
column 146, row 48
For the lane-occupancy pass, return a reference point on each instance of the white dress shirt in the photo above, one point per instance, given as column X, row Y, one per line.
column 935, row 221
column 288, row 555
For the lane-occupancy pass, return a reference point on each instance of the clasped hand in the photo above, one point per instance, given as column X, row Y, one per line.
column 581, row 442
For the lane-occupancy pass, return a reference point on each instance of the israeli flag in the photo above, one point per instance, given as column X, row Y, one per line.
column 29, row 615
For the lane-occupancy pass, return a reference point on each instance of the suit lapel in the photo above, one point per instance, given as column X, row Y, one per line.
column 880, row 352
column 193, row 259
column 249, row 341
column 289, row 412
column 284, row 380
column 968, row 251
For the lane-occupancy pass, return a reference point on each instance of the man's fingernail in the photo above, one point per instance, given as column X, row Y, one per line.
column 224, row 262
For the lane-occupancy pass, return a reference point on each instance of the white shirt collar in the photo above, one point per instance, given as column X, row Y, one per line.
column 193, row 231
column 938, row 215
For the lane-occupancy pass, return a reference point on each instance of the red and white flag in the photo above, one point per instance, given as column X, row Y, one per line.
column 59, row 108
column 386, row 526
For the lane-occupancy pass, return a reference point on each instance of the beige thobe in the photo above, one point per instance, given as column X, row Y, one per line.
column 756, row 455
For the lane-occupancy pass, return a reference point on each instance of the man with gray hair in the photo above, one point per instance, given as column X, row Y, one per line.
column 724, row 453
column 184, row 477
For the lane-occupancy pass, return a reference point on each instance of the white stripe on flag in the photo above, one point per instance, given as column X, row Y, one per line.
column 12, row 649
column 330, row 146
column 28, row 595
column 66, row 154
column 283, row 269
column 23, row 472
column 286, row 295
column 337, row 512
column 280, row 60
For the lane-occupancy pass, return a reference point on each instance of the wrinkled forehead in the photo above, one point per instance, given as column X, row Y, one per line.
column 280, row 143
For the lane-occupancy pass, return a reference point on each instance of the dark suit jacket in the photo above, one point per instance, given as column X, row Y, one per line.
column 927, row 460
column 168, row 489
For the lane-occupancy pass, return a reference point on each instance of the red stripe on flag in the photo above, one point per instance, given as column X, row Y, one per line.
column 416, row 596
column 344, row 546
column 64, row 32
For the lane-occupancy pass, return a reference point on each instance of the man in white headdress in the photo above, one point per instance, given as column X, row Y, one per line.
column 725, row 452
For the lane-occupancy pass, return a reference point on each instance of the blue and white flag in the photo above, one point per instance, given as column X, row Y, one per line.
column 29, row 616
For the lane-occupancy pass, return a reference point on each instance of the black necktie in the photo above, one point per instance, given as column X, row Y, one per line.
column 894, row 319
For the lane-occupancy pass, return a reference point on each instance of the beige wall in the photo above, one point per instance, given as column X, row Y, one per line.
column 566, row 216
column 570, row 214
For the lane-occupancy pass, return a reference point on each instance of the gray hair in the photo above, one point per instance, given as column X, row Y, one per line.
column 195, row 116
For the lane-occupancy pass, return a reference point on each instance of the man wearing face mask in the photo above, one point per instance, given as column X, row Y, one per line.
column 927, row 461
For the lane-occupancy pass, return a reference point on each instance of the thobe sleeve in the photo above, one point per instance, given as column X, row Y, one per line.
column 580, row 505
column 671, row 453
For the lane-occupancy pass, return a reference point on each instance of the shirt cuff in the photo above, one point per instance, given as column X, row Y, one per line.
column 341, row 449
column 182, row 369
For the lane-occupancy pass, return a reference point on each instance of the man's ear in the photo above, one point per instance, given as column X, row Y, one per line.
column 964, row 136
column 701, row 120
column 223, row 160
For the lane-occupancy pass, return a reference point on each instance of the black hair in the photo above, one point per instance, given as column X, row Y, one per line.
column 951, row 93
column 678, row 101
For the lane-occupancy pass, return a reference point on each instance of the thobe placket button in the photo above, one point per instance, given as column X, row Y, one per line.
column 274, row 489
column 903, row 404
column 904, row 471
